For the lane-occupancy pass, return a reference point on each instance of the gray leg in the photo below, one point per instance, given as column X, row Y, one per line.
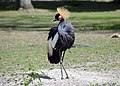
column 65, row 72
column 61, row 65
column 61, row 70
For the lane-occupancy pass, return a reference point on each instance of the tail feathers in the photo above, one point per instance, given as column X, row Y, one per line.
column 55, row 57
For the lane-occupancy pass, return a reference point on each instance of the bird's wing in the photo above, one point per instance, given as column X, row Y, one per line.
column 66, row 28
column 52, row 39
column 53, row 54
column 52, row 32
column 66, row 34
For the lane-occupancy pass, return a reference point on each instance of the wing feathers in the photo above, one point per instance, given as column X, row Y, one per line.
column 51, row 44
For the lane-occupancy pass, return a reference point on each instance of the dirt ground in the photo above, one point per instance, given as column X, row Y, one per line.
column 77, row 77
column 82, row 78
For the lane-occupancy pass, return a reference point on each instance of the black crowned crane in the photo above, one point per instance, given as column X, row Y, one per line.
column 60, row 39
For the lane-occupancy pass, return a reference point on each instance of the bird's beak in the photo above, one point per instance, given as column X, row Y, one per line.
column 54, row 20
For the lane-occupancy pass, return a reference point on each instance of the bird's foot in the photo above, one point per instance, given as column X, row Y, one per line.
column 61, row 78
column 67, row 77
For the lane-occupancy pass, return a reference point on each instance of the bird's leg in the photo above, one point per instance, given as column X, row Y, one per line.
column 65, row 72
column 61, row 70
column 63, row 66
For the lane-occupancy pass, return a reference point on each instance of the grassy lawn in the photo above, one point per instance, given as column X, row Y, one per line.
column 41, row 20
column 22, row 50
column 25, row 49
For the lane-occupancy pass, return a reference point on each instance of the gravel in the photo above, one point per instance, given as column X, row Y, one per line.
column 77, row 77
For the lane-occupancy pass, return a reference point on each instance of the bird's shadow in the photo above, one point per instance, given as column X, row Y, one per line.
column 45, row 77
column 39, row 76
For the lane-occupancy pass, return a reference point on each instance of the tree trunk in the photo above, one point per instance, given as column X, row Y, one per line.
column 25, row 4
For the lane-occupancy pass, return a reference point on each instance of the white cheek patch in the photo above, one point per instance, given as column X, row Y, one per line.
column 60, row 17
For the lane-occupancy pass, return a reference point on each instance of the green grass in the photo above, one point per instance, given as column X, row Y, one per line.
column 19, row 50
column 90, row 20
column 104, row 51
column 22, row 50
column 107, row 84
column 38, row 19
column 41, row 20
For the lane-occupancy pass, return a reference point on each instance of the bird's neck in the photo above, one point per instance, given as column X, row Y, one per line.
column 61, row 21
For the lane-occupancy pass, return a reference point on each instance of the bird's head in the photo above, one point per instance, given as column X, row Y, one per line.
column 62, row 14
column 58, row 17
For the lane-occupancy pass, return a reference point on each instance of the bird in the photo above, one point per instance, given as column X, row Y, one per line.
column 60, row 38
column 115, row 35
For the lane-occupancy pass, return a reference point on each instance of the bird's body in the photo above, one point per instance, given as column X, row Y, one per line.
column 60, row 39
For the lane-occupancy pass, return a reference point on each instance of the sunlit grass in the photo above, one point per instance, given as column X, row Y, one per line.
column 91, row 19
column 20, row 49
column 42, row 19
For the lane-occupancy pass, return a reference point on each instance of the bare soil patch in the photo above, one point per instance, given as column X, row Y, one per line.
column 77, row 77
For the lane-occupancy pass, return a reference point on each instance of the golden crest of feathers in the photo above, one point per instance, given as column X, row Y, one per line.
column 63, row 12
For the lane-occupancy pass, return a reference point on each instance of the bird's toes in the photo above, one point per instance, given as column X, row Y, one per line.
column 61, row 78
column 67, row 77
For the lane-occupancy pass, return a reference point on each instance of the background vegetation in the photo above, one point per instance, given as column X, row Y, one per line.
column 85, row 15
column 23, row 36
column 41, row 20
column 20, row 49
